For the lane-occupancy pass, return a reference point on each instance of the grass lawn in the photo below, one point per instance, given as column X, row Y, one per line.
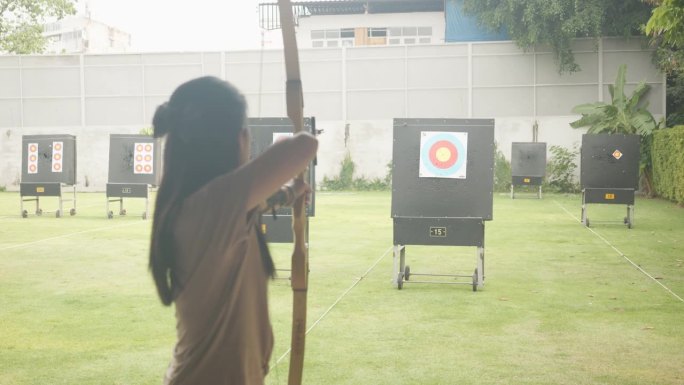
column 562, row 304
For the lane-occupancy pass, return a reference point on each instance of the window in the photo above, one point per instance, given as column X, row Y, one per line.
column 377, row 32
column 332, row 38
column 347, row 33
column 424, row 31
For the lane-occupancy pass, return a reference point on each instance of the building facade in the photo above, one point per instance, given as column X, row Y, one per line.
column 81, row 34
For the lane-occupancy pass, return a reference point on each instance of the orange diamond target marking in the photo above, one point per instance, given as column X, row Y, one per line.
column 144, row 158
column 617, row 154
column 443, row 154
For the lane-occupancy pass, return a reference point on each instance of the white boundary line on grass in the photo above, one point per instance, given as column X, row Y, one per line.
column 335, row 304
column 68, row 235
column 620, row 253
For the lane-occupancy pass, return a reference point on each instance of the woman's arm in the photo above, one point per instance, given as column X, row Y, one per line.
column 277, row 165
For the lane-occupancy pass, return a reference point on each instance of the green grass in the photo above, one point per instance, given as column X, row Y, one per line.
column 560, row 305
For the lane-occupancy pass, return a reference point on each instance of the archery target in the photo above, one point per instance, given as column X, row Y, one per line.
column 443, row 154
column 32, row 163
column 278, row 136
column 57, row 156
column 143, row 158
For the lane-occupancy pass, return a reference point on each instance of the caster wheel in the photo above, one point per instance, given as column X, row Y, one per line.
column 475, row 280
column 144, row 216
column 407, row 272
column 400, row 281
column 39, row 212
column 24, row 214
column 110, row 215
column 586, row 222
column 72, row 212
column 629, row 225
column 122, row 212
column 625, row 220
column 58, row 214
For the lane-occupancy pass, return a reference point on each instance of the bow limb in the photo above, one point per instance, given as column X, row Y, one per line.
column 300, row 259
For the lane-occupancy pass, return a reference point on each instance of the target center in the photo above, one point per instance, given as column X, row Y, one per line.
column 443, row 154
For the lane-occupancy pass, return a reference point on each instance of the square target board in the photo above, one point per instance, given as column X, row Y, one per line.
column 443, row 168
column 48, row 159
column 134, row 159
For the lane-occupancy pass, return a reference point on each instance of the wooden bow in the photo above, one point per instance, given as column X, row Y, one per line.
column 300, row 258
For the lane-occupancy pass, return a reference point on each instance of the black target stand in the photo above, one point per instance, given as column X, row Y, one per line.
column 609, row 172
column 528, row 166
column 134, row 169
column 442, row 192
column 48, row 166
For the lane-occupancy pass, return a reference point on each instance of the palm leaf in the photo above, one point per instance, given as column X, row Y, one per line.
column 619, row 90
column 640, row 90
column 589, row 108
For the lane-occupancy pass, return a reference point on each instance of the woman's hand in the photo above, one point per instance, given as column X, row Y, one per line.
column 298, row 188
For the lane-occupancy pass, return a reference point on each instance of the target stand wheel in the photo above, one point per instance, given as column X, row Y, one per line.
column 625, row 220
column 407, row 272
column 586, row 222
column 39, row 211
column 122, row 212
column 110, row 215
column 58, row 214
column 24, row 214
column 72, row 212
column 475, row 280
column 400, row 281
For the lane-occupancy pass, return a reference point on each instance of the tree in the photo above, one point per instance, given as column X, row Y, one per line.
column 666, row 28
column 557, row 22
column 21, row 23
column 667, row 22
column 624, row 115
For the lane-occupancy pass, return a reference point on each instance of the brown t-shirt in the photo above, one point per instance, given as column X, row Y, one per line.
column 223, row 327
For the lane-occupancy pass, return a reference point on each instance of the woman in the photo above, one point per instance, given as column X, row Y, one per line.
column 207, row 255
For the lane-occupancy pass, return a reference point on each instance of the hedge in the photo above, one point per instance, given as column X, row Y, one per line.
column 668, row 163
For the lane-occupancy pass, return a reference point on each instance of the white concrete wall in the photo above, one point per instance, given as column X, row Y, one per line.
column 92, row 96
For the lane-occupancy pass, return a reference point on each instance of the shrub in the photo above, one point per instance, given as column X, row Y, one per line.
column 502, row 171
column 668, row 163
column 346, row 181
column 560, row 170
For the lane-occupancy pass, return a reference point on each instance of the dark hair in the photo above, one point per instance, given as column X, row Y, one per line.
column 202, row 122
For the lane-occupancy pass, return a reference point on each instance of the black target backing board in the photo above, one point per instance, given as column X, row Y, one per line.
column 264, row 132
column 610, row 161
column 48, row 158
column 466, row 193
column 528, row 163
column 134, row 159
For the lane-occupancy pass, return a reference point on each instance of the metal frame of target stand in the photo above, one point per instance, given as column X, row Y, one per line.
column 609, row 196
column 37, row 190
column 438, row 232
column 116, row 192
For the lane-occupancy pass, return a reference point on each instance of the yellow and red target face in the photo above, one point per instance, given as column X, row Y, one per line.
column 443, row 154
column 32, row 157
column 57, row 156
column 143, row 158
